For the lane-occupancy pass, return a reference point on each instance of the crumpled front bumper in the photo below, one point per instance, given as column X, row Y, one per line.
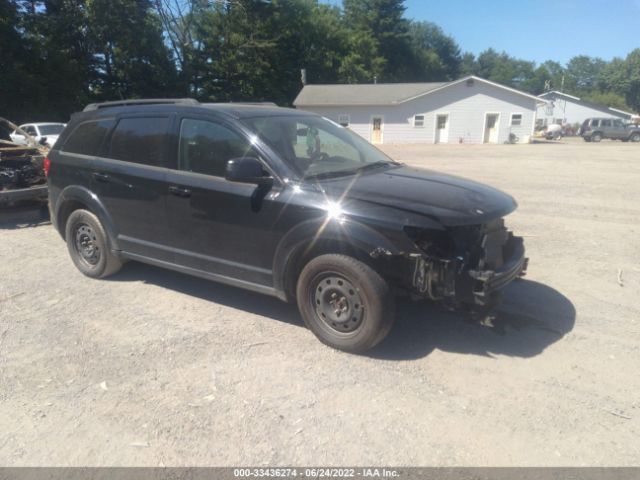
column 488, row 282
column 453, row 280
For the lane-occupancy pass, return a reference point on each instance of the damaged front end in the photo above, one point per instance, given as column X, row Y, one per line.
column 465, row 265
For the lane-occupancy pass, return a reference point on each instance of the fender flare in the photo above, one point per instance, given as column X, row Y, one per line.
column 87, row 197
column 354, row 234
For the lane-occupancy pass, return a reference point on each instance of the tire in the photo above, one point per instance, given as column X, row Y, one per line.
column 586, row 139
column 596, row 137
column 635, row 137
column 345, row 303
column 88, row 245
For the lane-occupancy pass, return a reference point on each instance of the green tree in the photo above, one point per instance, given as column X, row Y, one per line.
column 504, row 69
column 383, row 21
column 437, row 56
column 632, row 85
column 583, row 74
column 130, row 56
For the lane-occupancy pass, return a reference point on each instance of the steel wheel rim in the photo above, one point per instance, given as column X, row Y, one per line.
column 86, row 244
column 337, row 303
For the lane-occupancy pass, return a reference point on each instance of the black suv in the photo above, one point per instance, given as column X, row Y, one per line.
column 279, row 201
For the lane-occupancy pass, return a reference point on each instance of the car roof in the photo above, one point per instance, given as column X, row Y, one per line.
column 234, row 110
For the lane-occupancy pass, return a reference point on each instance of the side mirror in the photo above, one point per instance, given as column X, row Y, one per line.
column 43, row 141
column 247, row 170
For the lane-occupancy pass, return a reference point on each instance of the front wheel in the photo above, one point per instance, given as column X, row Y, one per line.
column 635, row 137
column 345, row 303
column 88, row 245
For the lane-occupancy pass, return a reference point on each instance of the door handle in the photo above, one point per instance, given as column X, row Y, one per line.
column 179, row 191
column 101, row 177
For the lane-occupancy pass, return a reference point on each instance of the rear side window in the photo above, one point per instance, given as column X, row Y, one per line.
column 205, row 147
column 605, row 123
column 87, row 138
column 139, row 140
column 595, row 123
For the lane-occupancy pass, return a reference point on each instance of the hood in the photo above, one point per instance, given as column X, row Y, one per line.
column 448, row 199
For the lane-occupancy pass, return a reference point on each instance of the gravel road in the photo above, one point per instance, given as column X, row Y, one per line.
column 155, row 368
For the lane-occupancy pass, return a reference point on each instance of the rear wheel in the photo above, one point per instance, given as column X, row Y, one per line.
column 88, row 245
column 635, row 137
column 345, row 303
column 596, row 137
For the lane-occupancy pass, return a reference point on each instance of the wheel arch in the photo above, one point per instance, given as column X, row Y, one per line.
column 75, row 197
column 313, row 238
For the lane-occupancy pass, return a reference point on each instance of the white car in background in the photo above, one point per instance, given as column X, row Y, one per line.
column 48, row 131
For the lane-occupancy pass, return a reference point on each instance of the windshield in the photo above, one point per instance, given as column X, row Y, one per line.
column 316, row 147
column 51, row 129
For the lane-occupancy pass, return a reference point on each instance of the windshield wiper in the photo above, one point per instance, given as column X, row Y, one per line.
column 347, row 172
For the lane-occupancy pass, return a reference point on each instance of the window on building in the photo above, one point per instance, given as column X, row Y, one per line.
column 516, row 119
column 549, row 109
column 206, row 147
column 344, row 120
column 87, row 138
column 139, row 140
column 418, row 121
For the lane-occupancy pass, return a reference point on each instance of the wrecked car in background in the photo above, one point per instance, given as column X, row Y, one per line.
column 22, row 175
column 44, row 133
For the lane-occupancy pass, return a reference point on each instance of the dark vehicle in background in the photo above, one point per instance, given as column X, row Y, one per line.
column 281, row 202
column 596, row 129
column 22, row 176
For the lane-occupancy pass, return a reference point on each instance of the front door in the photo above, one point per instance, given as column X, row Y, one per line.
column 491, row 128
column 219, row 227
column 442, row 128
column 376, row 130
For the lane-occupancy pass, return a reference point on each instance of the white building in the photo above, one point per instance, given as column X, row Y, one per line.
column 564, row 109
column 469, row 110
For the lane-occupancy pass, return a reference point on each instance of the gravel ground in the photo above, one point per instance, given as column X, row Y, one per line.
column 156, row 368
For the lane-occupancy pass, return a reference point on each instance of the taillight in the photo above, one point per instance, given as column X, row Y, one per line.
column 46, row 166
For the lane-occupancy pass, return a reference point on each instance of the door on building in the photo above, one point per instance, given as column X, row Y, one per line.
column 376, row 130
column 442, row 128
column 491, row 124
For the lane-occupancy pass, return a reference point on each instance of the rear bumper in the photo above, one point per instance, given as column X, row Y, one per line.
column 489, row 282
column 38, row 192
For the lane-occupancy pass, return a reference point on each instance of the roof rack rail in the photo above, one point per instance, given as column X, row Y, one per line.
column 141, row 101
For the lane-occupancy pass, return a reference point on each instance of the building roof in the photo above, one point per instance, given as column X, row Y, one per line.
column 381, row 93
column 596, row 106
column 362, row 94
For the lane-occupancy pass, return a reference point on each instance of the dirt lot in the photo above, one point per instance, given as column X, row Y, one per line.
column 156, row 368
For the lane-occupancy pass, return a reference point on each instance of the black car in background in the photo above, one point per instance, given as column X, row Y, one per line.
column 278, row 201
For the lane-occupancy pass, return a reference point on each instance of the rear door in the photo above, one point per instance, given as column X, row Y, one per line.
column 606, row 126
column 130, row 180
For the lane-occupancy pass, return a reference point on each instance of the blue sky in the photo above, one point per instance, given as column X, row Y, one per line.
column 536, row 30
